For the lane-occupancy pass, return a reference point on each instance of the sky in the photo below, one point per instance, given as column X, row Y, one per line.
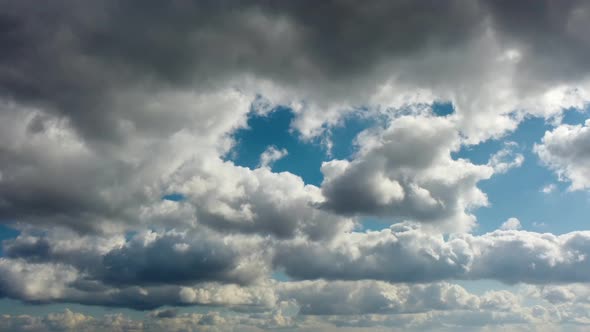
column 294, row 166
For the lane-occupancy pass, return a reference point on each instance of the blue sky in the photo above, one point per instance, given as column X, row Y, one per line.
column 518, row 192
column 304, row 159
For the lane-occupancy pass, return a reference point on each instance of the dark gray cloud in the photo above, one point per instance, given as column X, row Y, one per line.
column 77, row 57
column 550, row 34
column 112, row 271
column 169, row 260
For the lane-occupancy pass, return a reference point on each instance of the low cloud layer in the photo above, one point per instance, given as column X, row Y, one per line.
column 152, row 269
column 320, row 305
column 407, row 254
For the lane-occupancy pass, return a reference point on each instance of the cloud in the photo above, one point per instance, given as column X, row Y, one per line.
column 563, row 294
column 35, row 282
column 96, row 55
column 147, row 258
column 373, row 297
column 54, row 176
column 270, row 155
column 38, row 186
column 365, row 304
column 565, row 150
column 406, row 253
column 237, row 199
column 512, row 224
column 153, row 269
column 549, row 188
column 152, row 258
column 146, row 271
column 406, row 171
column 505, row 159
column 43, row 283
column 73, row 321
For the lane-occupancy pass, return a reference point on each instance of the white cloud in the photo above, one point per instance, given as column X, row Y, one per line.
column 407, row 253
column 511, row 224
column 539, row 224
column 374, row 297
column 358, row 306
column 505, row 159
column 230, row 198
column 43, row 282
column 566, row 150
column 549, row 188
column 270, row 155
column 60, row 268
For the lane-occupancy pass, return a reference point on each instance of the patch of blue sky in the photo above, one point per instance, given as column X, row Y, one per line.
column 279, row 275
column 480, row 287
column 517, row 193
column 441, row 108
column 7, row 233
column 575, row 116
column 129, row 235
column 174, row 197
column 343, row 135
column 304, row 158
column 273, row 129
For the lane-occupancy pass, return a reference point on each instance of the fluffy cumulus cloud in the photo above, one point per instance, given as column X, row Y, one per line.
column 388, row 177
column 511, row 224
column 117, row 123
column 237, row 199
column 151, row 269
column 566, row 150
column 148, row 270
column 272, row 154
column 506, row 158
